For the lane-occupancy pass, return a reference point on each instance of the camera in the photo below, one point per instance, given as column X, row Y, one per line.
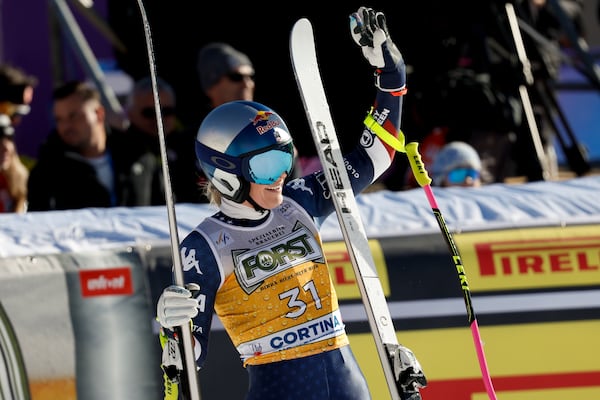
column 16, row 91
column 6, row 128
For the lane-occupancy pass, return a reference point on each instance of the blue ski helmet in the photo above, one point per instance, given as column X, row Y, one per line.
column 241, row 142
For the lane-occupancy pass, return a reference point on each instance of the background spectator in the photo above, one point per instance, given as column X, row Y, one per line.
column 456, row 164
column 142, row 146
column 16, row 92
column 16, row 95
column 13, row 173
column 226, row 74
column 74, row 167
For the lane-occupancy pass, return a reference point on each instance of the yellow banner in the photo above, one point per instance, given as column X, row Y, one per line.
column 342, row 272
column 525, row 361
column 531, row 258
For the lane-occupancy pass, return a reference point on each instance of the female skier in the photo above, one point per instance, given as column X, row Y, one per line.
column 259, row 262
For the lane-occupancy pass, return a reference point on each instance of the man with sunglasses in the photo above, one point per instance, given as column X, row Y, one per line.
column 226, row 74
column 456, row 164
column 142, row 146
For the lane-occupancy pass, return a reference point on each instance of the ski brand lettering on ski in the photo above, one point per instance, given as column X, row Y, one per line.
column 328, row 154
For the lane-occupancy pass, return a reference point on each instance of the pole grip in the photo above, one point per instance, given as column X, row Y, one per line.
column 416, row 164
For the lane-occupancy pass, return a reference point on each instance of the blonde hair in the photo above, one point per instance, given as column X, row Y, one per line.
column 212, row 194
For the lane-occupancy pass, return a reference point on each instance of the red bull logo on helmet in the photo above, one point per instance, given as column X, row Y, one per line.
column 263, row 116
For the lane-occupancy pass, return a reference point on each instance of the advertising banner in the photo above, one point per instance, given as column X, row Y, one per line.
column 78, row 296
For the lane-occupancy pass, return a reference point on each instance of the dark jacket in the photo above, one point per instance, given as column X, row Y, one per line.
column 139, row 153
column 62, row 180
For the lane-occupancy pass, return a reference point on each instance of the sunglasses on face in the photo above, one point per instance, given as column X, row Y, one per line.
column 237, row 77
column 460, row 175
column 150, row 113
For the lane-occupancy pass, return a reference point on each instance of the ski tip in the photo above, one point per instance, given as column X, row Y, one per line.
column 302, row 24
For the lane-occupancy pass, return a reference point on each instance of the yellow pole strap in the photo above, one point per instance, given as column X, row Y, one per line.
column 397, row 143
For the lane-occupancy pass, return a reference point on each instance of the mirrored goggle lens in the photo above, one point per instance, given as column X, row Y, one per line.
column 460, row 175
column 265, row 168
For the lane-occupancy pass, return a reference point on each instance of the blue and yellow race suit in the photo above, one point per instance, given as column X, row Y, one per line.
column 265, row 276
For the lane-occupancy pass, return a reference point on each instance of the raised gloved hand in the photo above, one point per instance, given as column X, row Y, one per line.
column 176, row 306
column 407, row 372
column 370, row 32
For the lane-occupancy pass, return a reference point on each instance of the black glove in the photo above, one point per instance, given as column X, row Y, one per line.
column 370, row 32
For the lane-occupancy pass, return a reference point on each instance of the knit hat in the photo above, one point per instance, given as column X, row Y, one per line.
column 452, row 156
column 218, row 59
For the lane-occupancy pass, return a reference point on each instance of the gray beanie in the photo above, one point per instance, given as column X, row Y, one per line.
column 218, row 59
column 452, row 156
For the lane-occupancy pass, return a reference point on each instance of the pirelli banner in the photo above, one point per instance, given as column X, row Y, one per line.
column 77, row 316
column 537, row 298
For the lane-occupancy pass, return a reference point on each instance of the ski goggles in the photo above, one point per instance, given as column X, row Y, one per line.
column 267, row 166
column 459, row 175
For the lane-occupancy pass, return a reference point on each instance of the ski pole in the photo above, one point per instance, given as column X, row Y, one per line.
column 423, row 179
column 191, row 389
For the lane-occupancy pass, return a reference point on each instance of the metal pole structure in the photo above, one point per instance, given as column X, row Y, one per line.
column 524, row 94
column 87, row 59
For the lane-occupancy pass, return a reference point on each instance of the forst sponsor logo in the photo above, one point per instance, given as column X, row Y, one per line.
column 253, row 267
column 529, row 257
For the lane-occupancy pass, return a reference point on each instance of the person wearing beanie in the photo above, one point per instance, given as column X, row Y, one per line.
column 225, row 74
column 456, row 164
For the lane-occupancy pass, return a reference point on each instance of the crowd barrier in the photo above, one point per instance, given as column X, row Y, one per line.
column 78, row 291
